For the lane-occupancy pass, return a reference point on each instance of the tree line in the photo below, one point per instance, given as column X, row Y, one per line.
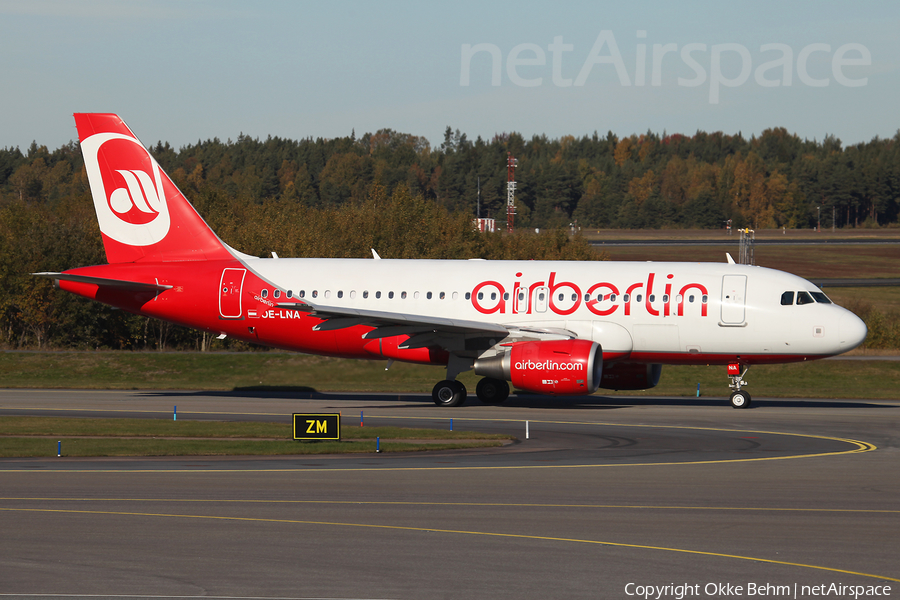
column 394, row 192
column 775, row 179
column 38, row 236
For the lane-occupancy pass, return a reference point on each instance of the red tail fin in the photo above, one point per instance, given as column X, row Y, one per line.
column 142, row 214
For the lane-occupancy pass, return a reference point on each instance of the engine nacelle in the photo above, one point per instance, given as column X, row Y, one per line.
column 559, row 367
column 630, row 376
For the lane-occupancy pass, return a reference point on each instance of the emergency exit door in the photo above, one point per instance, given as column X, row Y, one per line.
column 230, row 293
column 734, row 293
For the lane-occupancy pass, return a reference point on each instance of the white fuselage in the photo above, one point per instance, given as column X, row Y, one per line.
column 649, row 311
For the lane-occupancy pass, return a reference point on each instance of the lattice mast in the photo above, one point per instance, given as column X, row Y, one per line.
column 746, row 247
column 511, row 164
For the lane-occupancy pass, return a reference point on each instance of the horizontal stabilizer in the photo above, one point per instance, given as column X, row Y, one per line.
column 133, row 286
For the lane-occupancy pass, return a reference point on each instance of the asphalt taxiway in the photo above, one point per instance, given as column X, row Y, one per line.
column 603, row 493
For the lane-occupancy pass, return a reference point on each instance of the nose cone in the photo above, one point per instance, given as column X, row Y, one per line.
column 852, row 331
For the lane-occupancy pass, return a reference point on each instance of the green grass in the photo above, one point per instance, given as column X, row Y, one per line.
column 885, row 299
column 32, row 447
column 885, row 234
column 810, row 262
column 207, row 371
column 870, row 379
column 300, row 373
column 38, row 436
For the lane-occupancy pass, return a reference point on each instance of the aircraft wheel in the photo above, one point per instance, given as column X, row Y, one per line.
column 740, row 400
column 492, row 391
column 449, row 393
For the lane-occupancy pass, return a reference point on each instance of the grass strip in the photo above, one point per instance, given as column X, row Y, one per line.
column 81, row 447
column 38, row 436
column 303, row 374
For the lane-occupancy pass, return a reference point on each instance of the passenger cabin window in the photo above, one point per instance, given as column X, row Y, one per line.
column 390, row 295
column 303, row 293
column 265, row 293
column 804, row 298
column 787, row 298
column 340, row 294
column 377, row 295
column 365, row 293
column 290, row 294
column 428, row 296
column 277, row 294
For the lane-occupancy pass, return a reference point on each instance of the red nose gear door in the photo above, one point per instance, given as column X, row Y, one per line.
column 230, row 293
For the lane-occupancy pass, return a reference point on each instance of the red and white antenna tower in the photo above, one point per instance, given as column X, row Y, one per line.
column 511, row 164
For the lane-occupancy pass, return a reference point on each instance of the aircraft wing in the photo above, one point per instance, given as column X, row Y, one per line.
column 134, row 286
column 459, row 336
column 393, row 323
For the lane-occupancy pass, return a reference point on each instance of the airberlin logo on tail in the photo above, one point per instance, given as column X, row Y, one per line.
column 127, row 187
column 139, row 194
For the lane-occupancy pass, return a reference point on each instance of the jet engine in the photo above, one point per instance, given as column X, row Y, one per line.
column 558, row 367
column 630, row 376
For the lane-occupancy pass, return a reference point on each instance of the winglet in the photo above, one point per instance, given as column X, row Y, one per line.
column 730, row 260
column 375, row 255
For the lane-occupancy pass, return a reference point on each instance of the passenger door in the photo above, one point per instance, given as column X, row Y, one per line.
column 230, row 287
column 734, row 292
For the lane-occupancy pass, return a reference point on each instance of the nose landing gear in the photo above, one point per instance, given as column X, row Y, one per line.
column 738, row 398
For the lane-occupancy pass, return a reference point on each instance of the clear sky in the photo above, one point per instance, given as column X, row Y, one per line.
column 189, row 70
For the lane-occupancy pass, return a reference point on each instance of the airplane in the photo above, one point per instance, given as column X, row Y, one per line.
column 547, row 327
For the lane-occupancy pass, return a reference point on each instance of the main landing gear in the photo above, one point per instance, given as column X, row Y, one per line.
column 450, row 392
column 738, row 398
column 453, row 393
column 492, row 391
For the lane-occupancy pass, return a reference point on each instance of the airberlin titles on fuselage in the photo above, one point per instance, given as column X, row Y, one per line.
column 600, row 298
column 564, row 298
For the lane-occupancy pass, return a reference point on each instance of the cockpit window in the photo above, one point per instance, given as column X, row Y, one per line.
column 820, row 298
column 804, row 298
column 787, row 298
